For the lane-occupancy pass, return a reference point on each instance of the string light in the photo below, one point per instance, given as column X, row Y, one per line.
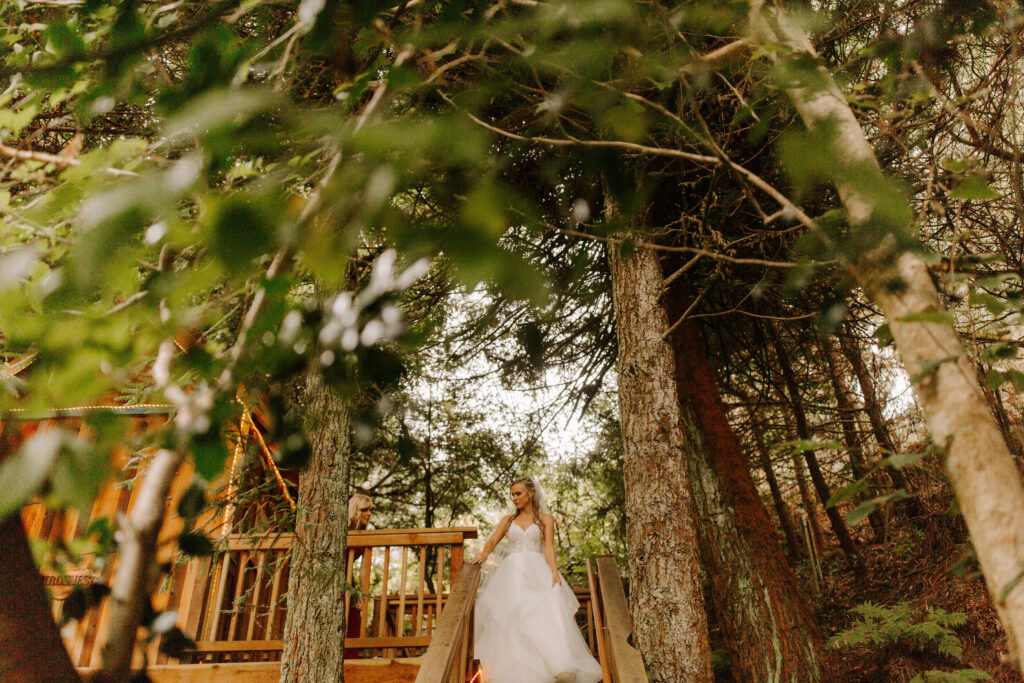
column 229, row 512
column 269, row 458
column 11, row 369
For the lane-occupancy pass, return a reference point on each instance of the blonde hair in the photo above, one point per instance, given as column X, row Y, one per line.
column 531, row 488
column 356, row 502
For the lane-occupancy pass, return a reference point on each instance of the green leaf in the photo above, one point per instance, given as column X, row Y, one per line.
column 242, row 230
column 857, row 488
column 974, row 187
column 883, row 335
column 24, row 472
column 1017, row 378
column 955, row 165
column 192, row 500
column 175, row 643
column 900, row 460
column 994, row 379
column 992, row 304
column 938, row 317
column 861, row 511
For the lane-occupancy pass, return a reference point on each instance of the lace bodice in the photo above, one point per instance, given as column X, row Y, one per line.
column 519, row 541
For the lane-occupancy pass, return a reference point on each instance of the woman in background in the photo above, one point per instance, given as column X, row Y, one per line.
column 360, row 507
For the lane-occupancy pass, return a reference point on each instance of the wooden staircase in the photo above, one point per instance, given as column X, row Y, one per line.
column 446, row 657
column 417, row 623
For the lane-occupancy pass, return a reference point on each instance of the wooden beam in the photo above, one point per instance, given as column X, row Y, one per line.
column 445, row 645
column 362, row 538
column 402, row 670
column 626, row 664
column 275, row 645
column 606, row 676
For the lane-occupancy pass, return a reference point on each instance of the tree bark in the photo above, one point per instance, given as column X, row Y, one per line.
column 314, row 632
column 31, row 650
column 666, row 599
column 781, row 508
column 803, row 430
column 771, row 634
column 981, row 468
column 848, row 420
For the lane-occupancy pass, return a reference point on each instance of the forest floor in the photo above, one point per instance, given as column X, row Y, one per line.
column 926, row 562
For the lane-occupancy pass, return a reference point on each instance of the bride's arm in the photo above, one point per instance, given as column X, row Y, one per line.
column 499, row 533
column 549, row 548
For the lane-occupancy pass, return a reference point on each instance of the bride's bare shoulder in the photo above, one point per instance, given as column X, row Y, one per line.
column 547, row 519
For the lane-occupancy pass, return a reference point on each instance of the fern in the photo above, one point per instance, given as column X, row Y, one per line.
column 883, row 625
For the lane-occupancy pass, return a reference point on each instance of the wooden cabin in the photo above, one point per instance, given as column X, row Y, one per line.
column 419, row 595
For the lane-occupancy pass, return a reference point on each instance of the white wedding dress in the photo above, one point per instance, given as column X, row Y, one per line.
column 525, row 628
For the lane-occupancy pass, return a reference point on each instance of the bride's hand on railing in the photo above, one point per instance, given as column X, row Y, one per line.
column 480, row 558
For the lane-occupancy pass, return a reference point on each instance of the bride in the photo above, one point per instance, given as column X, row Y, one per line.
column 525, row 615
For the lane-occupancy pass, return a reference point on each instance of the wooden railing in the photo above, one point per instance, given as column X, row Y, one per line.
column 449, row 657
column 235, row 608
column 620, row 661
column 606, row 624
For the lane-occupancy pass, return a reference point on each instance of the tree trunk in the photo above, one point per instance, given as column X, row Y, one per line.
column 981, row 468
column 806, row 499
column 848, row 420
column 785, row 520
column 31, row 650
column 314, row 633
column 873, row 409
column 770, row 632
column 803, row 430
column 666, row 599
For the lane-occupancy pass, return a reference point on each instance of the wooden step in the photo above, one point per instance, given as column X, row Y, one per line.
column 401, row 670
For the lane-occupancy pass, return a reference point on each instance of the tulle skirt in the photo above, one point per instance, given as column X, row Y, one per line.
column 525, row 628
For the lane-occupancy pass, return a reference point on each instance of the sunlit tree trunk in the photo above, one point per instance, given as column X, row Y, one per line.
column 314, row 633
column 981, row 468
column 666, row 600
column 770, row 632
column 803, row 430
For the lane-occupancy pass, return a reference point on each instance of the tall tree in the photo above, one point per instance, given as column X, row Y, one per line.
column 771, row 633
column 803, row 430
column 781, row 507
column 981, row 468
column 848, row 420
column 314, row 632
column 666, row 599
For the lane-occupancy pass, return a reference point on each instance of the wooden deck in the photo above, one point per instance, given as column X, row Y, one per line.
column 417, row 596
